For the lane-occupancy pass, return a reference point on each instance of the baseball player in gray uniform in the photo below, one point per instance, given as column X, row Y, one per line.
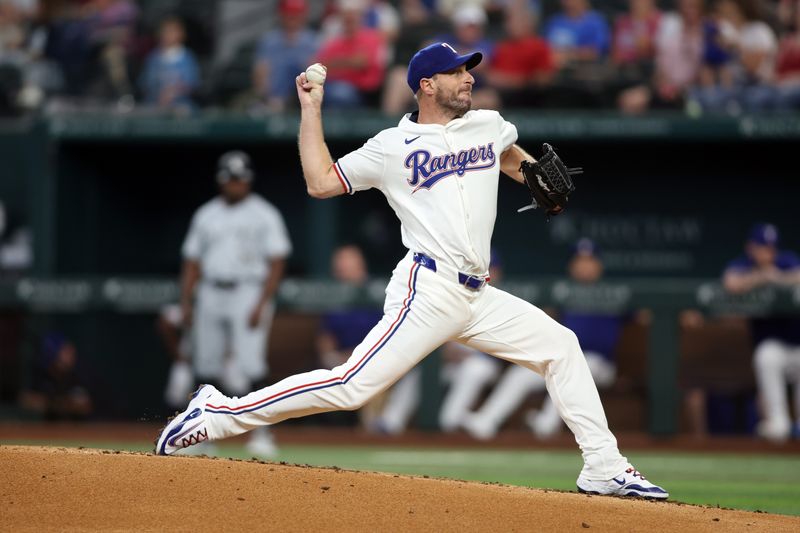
column 234, row 258
column 439, row 170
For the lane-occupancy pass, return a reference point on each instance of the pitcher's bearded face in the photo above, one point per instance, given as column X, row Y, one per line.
column 454, row 90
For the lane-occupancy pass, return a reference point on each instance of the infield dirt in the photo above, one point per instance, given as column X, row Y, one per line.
column 69, row 489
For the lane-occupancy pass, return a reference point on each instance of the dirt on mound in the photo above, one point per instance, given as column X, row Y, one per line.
column 49, row 489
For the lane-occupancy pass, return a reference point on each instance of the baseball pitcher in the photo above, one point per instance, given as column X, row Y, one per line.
column 439, row 170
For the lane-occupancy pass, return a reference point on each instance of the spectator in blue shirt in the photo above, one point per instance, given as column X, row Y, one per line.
column 578, row 33
column 776, row 358
column 282, row 53
column 580, row 40
column 171, row 72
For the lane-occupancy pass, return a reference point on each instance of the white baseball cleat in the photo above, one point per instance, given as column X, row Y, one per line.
column 628, row 483
column 187, row 428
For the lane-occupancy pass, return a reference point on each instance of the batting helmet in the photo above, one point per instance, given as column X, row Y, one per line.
column 234, row 165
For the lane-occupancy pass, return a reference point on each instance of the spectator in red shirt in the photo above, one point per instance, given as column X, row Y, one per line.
column 633, row 47
column 787, row 66
column 523, row 65
column 356, row 60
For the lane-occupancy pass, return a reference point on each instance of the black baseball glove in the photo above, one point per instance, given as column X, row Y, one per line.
column 549, row 181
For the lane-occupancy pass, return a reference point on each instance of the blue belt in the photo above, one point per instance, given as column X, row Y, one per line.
column 467, row 280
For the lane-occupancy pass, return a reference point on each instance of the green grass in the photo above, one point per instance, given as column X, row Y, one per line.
column 767, row 483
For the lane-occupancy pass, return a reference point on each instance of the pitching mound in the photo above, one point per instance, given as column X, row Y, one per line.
column 47, row 489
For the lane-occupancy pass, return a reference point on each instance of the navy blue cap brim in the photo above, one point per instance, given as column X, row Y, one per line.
column 470, row 60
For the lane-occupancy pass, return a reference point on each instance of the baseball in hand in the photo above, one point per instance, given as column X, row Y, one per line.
column 316, row 73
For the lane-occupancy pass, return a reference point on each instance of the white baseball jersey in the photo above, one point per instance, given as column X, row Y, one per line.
column 421, row 168
column 233, row 242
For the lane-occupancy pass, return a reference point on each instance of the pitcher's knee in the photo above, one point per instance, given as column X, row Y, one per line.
column 565, row 348
column 569, row 344
column 769, row 355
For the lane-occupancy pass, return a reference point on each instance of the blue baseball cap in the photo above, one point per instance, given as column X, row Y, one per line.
column 436, row 58
column 763, row 234
column 586, row 246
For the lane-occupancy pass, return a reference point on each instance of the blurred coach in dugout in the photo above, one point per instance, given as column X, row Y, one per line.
column 776, row 338
column 234, row 258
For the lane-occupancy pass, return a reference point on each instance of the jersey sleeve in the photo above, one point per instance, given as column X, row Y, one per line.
column 193, row 243
column 362, row 169
column 508, row 133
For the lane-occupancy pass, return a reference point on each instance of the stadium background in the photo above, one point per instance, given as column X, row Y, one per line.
column 107, row 197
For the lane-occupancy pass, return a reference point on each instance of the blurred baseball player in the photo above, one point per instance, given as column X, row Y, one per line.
column 234, row 258
column 439, row 170
column 776, row 359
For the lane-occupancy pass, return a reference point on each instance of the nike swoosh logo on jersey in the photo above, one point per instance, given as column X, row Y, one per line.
column 409, row 141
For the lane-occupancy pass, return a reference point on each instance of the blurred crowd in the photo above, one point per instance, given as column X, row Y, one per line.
column 696, row 56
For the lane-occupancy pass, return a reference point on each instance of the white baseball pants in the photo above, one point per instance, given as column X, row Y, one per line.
column 517, row 383
column 468, row 380
column 423, row 310
column 777, row 364
column 225, row 346
column 402, row 402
